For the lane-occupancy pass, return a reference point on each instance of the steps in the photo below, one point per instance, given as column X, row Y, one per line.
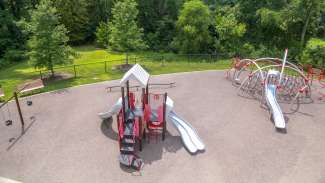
column 128, row 144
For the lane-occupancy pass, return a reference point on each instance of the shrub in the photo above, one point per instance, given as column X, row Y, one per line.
column 14, row 56
column 314, row 53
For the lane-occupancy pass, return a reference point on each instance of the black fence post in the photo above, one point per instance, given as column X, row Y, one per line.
column 105, row 66
column 75, row 71
column 40, row 73
column 162, row 60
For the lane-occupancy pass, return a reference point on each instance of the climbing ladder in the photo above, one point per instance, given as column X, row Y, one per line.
column 128, row 130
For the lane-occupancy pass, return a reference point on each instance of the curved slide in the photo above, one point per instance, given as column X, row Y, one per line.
column 189, row 136
column 276, row 111
column 114, row 110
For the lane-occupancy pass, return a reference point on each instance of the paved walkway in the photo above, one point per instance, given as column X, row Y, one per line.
column 68, row 143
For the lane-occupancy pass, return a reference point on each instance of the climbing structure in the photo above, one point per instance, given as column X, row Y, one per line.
column 316, row 78
column 135, row 120
column 271, row 81
column 250, row 76
column 129, row 119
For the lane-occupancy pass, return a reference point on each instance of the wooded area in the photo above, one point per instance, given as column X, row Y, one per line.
column 44, row 29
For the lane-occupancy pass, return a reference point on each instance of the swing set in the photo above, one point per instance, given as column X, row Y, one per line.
column 6, row 109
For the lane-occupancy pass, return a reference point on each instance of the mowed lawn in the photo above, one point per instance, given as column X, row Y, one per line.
column 90, row 67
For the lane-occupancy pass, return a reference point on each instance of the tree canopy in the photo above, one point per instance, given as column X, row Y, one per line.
column 125, row 34
column 48, row 44
column 228, row 27
column 192, row 25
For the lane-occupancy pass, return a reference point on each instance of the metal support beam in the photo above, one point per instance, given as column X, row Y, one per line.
column 20, row 113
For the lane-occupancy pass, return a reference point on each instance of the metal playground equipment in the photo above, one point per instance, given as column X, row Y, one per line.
column 316, row 78
column 271, row 81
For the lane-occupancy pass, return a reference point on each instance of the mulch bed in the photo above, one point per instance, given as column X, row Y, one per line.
column 57, row 77
column 123, row 67
column 30, row 86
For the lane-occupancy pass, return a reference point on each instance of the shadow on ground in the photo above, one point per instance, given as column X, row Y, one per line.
column 107, row 129
column 153, row 148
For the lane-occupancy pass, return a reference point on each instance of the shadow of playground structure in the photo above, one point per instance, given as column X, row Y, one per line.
column 152, row 151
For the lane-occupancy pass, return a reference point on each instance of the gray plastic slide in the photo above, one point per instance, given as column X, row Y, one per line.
column 276, row 111
column 114, row 110
column 189, row 136
column 6, row 180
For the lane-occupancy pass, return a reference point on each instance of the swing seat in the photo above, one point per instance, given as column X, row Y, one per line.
column 9, row 122
column 29, row 102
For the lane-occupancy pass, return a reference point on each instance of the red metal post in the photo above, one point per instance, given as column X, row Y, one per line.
column 164, row 117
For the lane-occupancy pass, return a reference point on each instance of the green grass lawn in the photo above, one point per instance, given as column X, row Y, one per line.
column 90, row 68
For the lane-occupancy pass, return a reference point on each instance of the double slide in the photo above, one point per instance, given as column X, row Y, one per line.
column 189, row 136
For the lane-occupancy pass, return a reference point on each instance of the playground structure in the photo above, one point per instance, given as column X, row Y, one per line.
column 317, row 75
column 271, row 81
column 136, row 122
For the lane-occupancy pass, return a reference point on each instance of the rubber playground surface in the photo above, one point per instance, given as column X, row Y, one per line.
column 66, row 142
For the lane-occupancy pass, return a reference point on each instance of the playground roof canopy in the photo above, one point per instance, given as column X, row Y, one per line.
column 136, row 73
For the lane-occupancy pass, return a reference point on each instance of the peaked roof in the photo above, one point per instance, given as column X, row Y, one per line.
column 136, row 73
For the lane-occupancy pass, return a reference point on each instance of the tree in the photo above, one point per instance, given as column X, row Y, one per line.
column 158, row 18
column 125, row 34
column 11, row 39
column 48, row 44
column 99, row 11
column 102, row 34
column 229, row 31
column 193, row 28
column 75, row 17
column 314, row 53
column 308, row 12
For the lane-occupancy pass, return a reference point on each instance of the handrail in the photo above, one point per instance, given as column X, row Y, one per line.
column 138, row 86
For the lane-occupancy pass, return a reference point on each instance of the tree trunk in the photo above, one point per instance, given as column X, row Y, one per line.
column 52, row 72
column 304, row 30
column 50, row 66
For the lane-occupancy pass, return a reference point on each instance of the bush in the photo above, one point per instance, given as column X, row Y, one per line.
column 314, row 53
column 14, row 56
column 263, row 51
column 3, row 63
column 102, row 34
